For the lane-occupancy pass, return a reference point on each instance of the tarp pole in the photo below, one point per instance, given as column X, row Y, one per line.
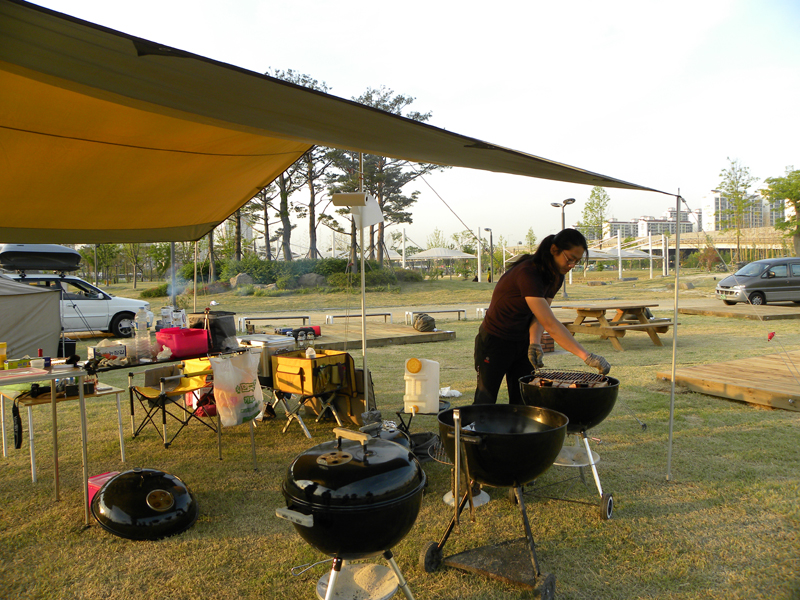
column 363, row 289
column 650, row 249
column 619, row 253
column 172, row 295
column 674, row 333
column 665, row 254
column 195, row 277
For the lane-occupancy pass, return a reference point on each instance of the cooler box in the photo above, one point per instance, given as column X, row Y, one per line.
column 331, row 370
column 183, row 342
column 270, row 345
column 98, row 481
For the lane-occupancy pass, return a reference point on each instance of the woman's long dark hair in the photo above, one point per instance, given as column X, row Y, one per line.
column 543, row 258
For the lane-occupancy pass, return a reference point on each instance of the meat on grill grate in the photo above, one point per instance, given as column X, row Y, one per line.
column 568, row 379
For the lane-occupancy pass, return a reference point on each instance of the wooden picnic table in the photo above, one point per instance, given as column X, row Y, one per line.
column 591, row 319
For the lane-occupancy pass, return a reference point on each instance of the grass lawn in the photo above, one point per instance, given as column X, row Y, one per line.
column 725, row 526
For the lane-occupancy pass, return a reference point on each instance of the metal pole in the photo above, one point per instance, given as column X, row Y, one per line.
column 173, row 294
column 674, row 335
column 563, row 227
column 619, row 253
column 363, row 289
column 650, row 243
column 480, row 251
column 491, row 257
column 404, row 247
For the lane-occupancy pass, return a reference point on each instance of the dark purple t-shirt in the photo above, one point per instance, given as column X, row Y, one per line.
column 509, row 316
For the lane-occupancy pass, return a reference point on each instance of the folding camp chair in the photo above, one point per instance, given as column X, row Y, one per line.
column 169, row 391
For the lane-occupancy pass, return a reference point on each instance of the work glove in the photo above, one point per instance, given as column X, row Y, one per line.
column 598, row 362
column 536, row 355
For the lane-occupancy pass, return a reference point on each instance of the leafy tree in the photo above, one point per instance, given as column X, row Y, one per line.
column 530, row 240
column 107, row 255
column 438, row 240
column 384, row 178
column 707, row 258
column 594, row 214
column 782, row 190
column 734, row 185
column 159, row 256
column 136, row 254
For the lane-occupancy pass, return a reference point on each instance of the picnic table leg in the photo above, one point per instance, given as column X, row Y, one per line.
column 613, row 337
column 651, row 332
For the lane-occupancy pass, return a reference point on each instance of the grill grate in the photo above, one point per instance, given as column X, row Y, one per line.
column 558, row 378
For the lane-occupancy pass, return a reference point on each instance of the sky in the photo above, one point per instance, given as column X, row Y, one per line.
column 659, row 94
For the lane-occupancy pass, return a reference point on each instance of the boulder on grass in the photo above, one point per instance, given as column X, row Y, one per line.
column 311, row 280
column 241, row 279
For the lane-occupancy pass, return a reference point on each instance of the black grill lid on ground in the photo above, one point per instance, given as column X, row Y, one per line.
column 145, row 504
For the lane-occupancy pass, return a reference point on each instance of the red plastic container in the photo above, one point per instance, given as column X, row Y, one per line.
column 97, row 481
column 183, row 342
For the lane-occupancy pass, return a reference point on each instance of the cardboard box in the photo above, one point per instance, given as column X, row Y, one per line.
column 115, row 351
column 330, row 371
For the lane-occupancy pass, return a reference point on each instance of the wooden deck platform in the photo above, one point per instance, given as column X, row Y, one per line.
column 747, row 311
column 348, row 337
column 772, row 380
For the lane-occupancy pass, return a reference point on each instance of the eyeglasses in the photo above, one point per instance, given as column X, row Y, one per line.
column 571, row 260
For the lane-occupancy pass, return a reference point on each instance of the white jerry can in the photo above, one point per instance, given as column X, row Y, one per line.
column 422, row 386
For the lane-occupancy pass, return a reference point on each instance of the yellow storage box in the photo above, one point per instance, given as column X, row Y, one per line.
column 330, row 371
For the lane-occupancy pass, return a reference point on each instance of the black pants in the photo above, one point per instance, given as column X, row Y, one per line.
column 496, row 358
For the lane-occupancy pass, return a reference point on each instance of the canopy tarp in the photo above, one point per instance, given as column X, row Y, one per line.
column 107, row 137
column 439, row 253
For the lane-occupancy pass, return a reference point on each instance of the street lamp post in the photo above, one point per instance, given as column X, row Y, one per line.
column 561, row 205
column 491, row 255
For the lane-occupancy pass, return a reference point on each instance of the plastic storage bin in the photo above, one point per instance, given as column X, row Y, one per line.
column 422, row 386
column 183, row 342
column 270, row 345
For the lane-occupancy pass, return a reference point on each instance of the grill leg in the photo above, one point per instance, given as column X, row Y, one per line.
column 592, row 463
column 400, row 579
column 337, row 567
column 528, row 533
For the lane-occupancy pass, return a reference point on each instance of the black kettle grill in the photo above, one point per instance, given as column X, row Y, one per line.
column 586, row 399
column 355, row 497
column 500, row 445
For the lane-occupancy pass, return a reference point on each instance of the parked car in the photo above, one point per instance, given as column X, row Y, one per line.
column 85, row 307
column 762, row 281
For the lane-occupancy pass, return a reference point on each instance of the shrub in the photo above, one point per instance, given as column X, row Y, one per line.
column 245, row 290
column 286, row 282
column 160, row 291
column 409, row 275
column 329, row 266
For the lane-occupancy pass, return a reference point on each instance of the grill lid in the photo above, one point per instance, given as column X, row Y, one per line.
column 144, row 504
column 345, row 473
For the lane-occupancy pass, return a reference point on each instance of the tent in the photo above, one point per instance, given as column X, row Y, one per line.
column 115, row 138
column 31, row 319
column 439, row 254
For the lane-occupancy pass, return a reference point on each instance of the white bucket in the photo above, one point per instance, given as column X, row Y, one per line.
column 422, row 386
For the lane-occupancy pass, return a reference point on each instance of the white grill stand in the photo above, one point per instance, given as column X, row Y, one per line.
column 363, row 581
column 581, row 455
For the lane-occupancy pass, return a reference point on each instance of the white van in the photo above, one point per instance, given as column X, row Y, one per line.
column 84, row 307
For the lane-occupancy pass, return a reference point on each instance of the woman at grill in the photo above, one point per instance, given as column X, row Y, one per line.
column 509, row 339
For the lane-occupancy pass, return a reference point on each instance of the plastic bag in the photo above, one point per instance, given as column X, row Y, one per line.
column 236, row 389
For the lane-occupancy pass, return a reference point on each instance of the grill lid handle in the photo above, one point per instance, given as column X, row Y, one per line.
column 349, row 434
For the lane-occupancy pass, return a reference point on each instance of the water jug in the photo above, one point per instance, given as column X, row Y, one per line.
column 422, row 386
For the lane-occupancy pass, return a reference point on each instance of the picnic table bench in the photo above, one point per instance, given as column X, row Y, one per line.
column 329, row 318
column 243, row 321
column 591, row 319
column 411, row 313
